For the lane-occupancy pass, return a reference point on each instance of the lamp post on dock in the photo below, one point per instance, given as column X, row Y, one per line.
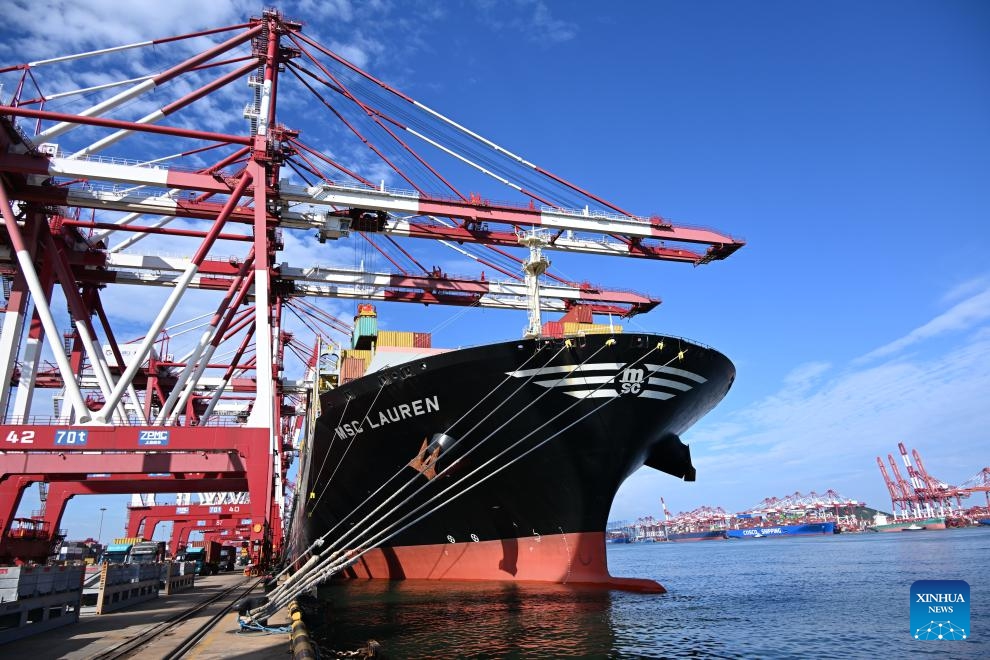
column 99, row 533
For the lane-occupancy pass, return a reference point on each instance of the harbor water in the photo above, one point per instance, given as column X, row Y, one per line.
column 843, row 596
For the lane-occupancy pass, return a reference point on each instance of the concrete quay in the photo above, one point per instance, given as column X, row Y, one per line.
column 96, row 635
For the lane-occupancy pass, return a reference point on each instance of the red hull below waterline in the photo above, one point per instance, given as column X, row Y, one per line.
column 576, row 559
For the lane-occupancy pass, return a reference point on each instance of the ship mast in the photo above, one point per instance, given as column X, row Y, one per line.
column 535, row 240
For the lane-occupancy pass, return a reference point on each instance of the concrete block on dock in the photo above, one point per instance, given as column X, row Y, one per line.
column 179, row 576
column 36, row 614
column 121, row 586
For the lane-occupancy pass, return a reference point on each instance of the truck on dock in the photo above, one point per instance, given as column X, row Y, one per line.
column 148, row 552
column 228, row 557
column 117, row 553
column 206, row 556
column 134, row 550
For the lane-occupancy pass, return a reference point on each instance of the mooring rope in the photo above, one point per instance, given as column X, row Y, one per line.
column 353, row 438
column 323, row 463
column 357, row 527
column 320, row 540
column 334, row 562
column 401, row 469
column 328, row 569
column 321, row 557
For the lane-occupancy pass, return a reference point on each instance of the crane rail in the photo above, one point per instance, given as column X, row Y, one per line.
column 130, row 646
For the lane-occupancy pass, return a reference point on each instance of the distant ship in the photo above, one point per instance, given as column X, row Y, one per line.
column 782, row 530
column 618, row 539
column 542, row 431
column 712, row 535
column 908, row 525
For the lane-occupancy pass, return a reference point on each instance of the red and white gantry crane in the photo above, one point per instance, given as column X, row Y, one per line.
column 232, row 199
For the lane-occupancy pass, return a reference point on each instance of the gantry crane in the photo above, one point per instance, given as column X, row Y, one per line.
column 84, row 188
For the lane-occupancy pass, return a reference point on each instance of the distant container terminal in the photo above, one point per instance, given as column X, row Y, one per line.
column 919, row 503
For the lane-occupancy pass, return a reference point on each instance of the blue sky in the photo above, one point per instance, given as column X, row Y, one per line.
column 848, row 143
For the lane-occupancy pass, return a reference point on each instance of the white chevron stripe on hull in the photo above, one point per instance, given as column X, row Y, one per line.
column 654, row 394
column 672, row 384
column 593, row 394
column 540, row 371
column 625, row 380
column 673, row 371
column 579, row 380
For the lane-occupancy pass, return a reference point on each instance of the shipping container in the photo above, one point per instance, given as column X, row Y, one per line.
column 395, row 338
column 553, row 329
column 365, row 331
column 128, row 540
column 363, row 356
column 366, row 309
column 422, row 340
column 591, row 329
column 578, row 314
column 352, row 368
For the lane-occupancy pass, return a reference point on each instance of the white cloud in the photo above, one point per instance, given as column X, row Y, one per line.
column 532, row 18
column 804, row 376
column 340, row 10
column 966, row 289
column 33, row 26
column 550, row 28
column 962, row 316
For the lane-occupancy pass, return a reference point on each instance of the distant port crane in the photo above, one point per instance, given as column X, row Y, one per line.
column 923, row 495
column 979, row 483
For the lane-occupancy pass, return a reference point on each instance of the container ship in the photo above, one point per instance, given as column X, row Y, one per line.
column 881, row 524
column 705, row 523
column 497, row 462
column 792, row 515
column 803, row 529
column 710, row 535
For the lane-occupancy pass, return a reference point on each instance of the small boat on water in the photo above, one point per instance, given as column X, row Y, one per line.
column 913, row 528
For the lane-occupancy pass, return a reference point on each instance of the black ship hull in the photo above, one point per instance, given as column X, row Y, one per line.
column 508, row 456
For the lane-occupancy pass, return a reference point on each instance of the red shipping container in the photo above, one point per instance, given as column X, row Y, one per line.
column 553, row 329
column 351, row 369
column 578, row 314
column 422, row 340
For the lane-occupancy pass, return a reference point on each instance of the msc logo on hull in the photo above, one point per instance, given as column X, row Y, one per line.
column 605, row 380
column 630, row 381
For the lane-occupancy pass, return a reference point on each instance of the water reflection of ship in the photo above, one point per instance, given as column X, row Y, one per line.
column 504, row 619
